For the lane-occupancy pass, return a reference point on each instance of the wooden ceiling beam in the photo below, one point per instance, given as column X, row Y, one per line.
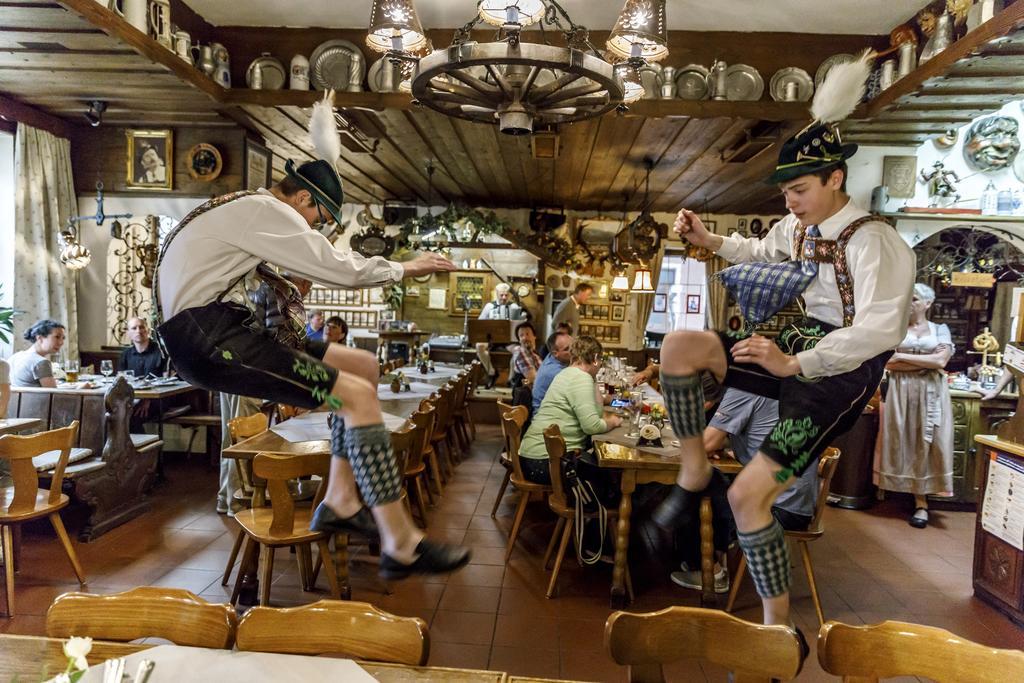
column 19, row 112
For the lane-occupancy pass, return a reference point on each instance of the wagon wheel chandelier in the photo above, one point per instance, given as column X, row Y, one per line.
column 519, row 85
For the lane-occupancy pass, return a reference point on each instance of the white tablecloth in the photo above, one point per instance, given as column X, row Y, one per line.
column 176, row 663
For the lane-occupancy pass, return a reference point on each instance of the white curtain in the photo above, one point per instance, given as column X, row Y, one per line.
column 44, row 200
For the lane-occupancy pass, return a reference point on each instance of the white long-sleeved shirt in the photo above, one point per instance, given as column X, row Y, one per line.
column 882, row 266
column 224, row 244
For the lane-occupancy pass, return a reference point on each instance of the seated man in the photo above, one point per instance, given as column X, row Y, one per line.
column 315, row 329
column 143, row 357
column 337, row 330
column 743, row 421
column 558, row 347
column 501, row 308
column 525, row 361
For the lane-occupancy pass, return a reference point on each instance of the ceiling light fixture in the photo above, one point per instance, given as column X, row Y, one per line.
column 520, row 86
column 95, row 114
column 642, row 281
column 641, row 32
column 73, row 254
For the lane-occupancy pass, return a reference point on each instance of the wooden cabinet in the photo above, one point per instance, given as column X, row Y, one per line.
column 971, row 417
column 998, row 575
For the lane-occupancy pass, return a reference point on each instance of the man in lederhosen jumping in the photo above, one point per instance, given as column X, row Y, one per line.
column 855, row 274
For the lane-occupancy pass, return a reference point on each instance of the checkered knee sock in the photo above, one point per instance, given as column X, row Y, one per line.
column 684, row 400
column 768, row 559
column 337, row 425
column 377, row 470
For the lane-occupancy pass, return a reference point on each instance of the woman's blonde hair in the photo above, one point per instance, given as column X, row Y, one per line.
column 585, row 349
column 924, row 292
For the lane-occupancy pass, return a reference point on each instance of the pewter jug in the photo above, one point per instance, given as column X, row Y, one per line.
column 668, row 82
column 205, row 59
column 716, row 80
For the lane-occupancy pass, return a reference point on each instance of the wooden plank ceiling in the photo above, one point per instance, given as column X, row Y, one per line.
column 58, row 56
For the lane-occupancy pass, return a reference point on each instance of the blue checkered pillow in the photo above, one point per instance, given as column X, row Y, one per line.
column 764, row 289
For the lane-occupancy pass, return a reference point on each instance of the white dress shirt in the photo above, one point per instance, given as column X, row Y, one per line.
column 882, row 266
column 221, row 246
column 495, row 311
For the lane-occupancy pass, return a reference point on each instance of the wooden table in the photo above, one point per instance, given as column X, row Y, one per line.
column 14, row 425
column 646, row 465
column 34, row 658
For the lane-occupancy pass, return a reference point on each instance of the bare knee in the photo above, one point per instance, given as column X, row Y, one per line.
column 687, row 352
column 749, row 497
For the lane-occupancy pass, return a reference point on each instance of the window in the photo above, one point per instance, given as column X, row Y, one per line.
column 680, row 301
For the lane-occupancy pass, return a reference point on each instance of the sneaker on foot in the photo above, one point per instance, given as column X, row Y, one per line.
column 691, row 578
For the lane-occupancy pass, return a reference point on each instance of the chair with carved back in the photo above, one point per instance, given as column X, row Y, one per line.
column 867, row 654
column 285, row 524
column 437, row 476
column 403, row 443
column 239, row 429
column 464, row 416
column 439, row 440
column 565, row 508
column 452, row 439
column 416, row 465
column 512, row 427
column 172, row 614
column 753, row 653
column 460, row 431
column 503, row 458
column 352, row 629
column 826, row 468
column 25, row 501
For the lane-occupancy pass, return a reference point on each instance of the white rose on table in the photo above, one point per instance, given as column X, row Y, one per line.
column 76, row 649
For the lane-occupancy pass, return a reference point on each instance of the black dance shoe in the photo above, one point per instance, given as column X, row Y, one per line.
column 361, row 523
column 681, row 507
column 805, row 649
column 918, row 521
column 434, row 558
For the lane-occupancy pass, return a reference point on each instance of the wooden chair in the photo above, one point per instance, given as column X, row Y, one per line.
column 866, row 654
column 463, row 416
column 25, row 501
column 284, row 524
column 503, row 459
column 437, row 476
column 826, row 468
column 353, row 629
column 403, row 442
column 512, row 426
column 241, row 428
column 754, row 653
column 144, row 612
column 559, row 504
column 439, row 440
column 415, row 465
column 459, row 430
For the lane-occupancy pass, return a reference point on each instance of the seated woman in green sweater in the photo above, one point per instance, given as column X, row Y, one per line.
column 573, row 403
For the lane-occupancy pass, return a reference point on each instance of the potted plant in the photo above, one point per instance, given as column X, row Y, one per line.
column 6, row 321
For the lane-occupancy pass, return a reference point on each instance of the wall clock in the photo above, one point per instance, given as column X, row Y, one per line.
column 523, row 289
column 204, row 162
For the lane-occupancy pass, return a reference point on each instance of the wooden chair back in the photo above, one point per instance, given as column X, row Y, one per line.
column 353, row 629
column 145, row 612
column 246, row 426
column 556, row 451
column 424, row 420
column 865, row 654
column 826, row 468
column 476, row 375
column 277, row 470
column 443, row 402
column 286, row 412
column 402, row 441
column 646, row 642
column 19, row 451
column 512, row 429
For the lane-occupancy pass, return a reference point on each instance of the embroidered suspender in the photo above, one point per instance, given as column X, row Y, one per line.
column 833, row 252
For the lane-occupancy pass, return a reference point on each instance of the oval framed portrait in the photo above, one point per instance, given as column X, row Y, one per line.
column 204, row 162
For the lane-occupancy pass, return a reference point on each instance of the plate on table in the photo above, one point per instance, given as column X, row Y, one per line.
column 823, row 69
column 692, row 83
column 331, row 65
column 791, row 74
column 743, row 83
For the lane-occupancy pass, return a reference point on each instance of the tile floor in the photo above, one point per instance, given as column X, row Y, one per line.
column 870, row 566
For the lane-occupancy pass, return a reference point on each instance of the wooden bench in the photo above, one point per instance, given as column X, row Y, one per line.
column 112, row 469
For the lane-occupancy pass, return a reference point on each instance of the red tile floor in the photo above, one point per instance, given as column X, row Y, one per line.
column 870, row 566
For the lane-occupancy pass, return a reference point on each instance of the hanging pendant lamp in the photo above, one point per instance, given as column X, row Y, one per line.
column 395, row 27
column 641, row 31
column 511, row 14
column 642, row 281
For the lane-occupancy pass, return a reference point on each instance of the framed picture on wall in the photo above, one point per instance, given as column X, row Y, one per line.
column 660, row 303
column 693, row 303
column 618, row 313
column 258, row 164
column 615, row 297
column 150, row 159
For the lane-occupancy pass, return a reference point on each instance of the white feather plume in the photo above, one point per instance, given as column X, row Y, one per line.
column 842, row 90
column 323, row 129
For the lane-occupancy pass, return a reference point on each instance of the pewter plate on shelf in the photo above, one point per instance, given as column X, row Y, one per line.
column 743, row 83
column 692, row 82
column 332, row 65
column 272, row 72
column 830, row 62
column 791, row 74
column 375, row 77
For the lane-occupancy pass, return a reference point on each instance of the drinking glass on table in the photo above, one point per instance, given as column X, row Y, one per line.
column 635, row 409
column 107, row 368
column 71, row 368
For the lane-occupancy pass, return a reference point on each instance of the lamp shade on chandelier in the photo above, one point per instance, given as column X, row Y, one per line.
column 640, row 32
column 511, row 14
column 642, row 283
column 395, row 26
